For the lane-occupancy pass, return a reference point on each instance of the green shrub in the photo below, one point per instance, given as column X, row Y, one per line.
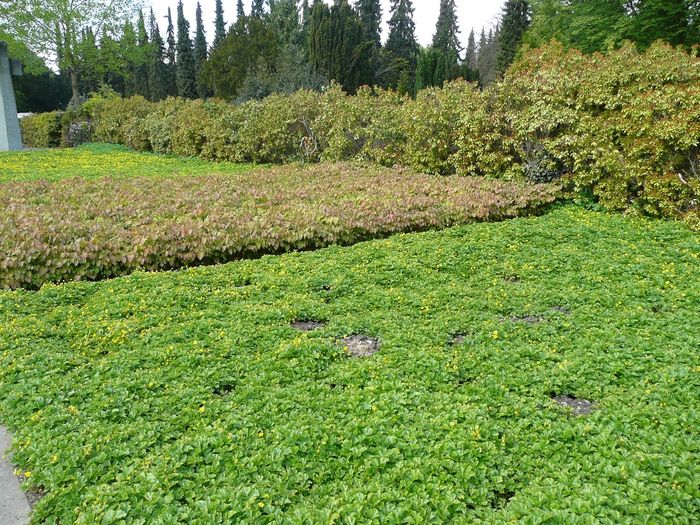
column 432, row 126
column 121, row 120
column 159, row 124
column 42, row 130
column 623, row 127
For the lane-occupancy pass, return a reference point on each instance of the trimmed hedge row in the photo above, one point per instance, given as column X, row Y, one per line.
column 42, row 130
column 624, row 127
column 93, row 229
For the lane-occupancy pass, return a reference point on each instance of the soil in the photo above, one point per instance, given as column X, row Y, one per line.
column 33, row 495
column 579, row 407
column 529, row 319
column 361, row 345
column 307, row 325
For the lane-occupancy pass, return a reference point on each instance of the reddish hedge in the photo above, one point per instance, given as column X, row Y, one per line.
column 93, row 229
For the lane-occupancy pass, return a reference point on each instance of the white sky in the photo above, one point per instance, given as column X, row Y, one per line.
column 472, row 14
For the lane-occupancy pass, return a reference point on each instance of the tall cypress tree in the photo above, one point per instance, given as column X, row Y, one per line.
column 219, row 24
column 129, row 56
column 402, row 42
column 370, row 13
column 336, row 43
column 446, row 39
column 157, row 74
column 171, row 55
column 200, row 52
column 186, row 70
column 470, row 57
column 257, row 8
column 240, row 13
column 144, row 49
column 515, row 22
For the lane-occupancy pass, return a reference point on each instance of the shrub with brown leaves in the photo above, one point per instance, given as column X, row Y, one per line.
column 80, row 229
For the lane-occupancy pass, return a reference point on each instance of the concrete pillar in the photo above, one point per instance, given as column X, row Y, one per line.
column 9, row 123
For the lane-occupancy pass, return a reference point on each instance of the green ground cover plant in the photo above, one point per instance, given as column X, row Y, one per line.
column 90, row 229
column 100, row 160
column 189, row 397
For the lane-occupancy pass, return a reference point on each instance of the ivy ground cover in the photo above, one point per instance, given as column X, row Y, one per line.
column 94, row 228
column 190, row 396
column 100, row 160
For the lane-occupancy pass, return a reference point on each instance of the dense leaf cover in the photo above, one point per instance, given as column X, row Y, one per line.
column 188, row 397
column 98, row 228
column 101, row 160
column 623, row 127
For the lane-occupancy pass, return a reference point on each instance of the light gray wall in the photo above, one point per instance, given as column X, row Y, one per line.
column 9, row 123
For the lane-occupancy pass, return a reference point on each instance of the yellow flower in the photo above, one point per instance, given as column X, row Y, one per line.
column 261, row 504
column 201, row 410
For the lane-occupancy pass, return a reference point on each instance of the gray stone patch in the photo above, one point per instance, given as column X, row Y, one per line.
column 458, row 339
column 562, row 310
column 14, row 507
column 361, row 345
column 528, row 319
column 579, row 407
column 307, row 326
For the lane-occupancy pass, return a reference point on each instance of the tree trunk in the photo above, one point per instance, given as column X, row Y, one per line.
column 74, row 87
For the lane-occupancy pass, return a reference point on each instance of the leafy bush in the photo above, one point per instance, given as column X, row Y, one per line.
column 42, row 130
column 624, row 127
column 94, row 229
column 121, row 121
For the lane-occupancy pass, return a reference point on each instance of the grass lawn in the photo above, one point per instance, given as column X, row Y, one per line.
column 188, row 396
column 99, row 160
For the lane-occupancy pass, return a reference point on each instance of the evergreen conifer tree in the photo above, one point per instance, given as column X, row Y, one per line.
column 446, row 38
column 471, row 56
column 402, row 42
column 144, row 52
column 200, row 52
column 515, row 21
column 370, row 13
column 157, row 85
column 219, row 24
column 240, row 13
column 185, row 64
column 257, row 9
column 171, row 55
column 129, row 56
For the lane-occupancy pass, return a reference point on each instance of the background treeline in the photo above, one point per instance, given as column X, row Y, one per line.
column 623, row 127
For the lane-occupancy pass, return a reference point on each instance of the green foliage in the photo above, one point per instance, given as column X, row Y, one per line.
column 598, row 25
column 432, row 126
column 94, row 161
column 515, row 22
column 87, row 229
column 402, row 45
column 185, row 64
column 250, row 41
column 121, row 121
column 186, row 397
column 42, row 130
